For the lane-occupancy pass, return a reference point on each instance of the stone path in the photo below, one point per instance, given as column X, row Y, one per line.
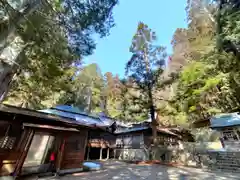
column 121, row 171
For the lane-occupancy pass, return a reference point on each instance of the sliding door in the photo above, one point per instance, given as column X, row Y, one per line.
column 38, row 155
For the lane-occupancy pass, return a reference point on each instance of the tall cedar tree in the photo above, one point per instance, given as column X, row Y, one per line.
column 145, row 67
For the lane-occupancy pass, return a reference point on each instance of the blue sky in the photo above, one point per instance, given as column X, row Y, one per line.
column 163, row 17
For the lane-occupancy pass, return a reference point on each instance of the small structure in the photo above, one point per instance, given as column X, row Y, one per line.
column 229, row 127
column 38, row 142
column 100, row 146
column 227, row 158
column 134, row 143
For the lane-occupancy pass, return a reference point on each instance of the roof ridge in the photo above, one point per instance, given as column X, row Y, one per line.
column 79, row 113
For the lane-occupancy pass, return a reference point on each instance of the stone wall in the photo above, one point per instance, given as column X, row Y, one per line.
column 225, row 161
column 132, row 154
column 205, row 157
column 189, row 154
column 193, row 154
column 201, row 155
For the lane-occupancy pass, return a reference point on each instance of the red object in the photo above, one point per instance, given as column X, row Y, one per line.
column 52, row 157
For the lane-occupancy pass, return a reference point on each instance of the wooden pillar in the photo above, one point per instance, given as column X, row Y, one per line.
column 87, row 142
column 107, row 153
column 114, row 156
column 101, row 153
column 59, row 161
column 88, row 151
column 28, row 136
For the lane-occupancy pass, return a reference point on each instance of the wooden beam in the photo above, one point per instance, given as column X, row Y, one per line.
column 50, row 127
column 29, row 136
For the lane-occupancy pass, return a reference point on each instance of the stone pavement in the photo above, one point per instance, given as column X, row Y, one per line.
column 115, row 170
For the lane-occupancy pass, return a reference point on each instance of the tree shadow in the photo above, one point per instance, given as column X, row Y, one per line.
column 124, row 171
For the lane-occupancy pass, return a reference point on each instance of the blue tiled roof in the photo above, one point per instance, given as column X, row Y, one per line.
column 75, row 114
column 126, row 130
column 69, row 109
column 225, row 120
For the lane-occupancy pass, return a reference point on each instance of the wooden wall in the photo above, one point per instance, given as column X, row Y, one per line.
column 13, row 140
column 163, row 139
column 101, row 137
column 131, row 140
column 74, row 150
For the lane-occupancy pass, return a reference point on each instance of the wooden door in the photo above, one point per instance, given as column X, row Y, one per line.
column 74, row 150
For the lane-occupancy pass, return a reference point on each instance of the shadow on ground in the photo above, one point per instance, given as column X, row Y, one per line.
column 114, row 170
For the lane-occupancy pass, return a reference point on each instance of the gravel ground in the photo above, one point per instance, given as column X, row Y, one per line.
column 115, row 170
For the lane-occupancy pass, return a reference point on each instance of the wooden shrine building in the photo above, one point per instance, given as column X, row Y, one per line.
column 226, row 158
column 229, row 127
column 134, row 143
column 28, row 138
column 59, row 139
column 100, row 146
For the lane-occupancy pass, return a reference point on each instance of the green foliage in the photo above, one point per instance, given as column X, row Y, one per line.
column 85, row 89
column 144, row 70
column 43, row 71
column 113, row 95
column 55, row 36
column 205, row 78
column 208, row 83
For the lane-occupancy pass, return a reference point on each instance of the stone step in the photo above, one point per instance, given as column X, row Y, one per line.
column 227, row 162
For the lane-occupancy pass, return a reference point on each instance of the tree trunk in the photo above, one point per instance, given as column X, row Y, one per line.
column 219, row 26
column 153, row 119
column 8, row 65
column 11, row 45
column 89, row 99
column 6, row 76
column 17, row 18
column 154, row 126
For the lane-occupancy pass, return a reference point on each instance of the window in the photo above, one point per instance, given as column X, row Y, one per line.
column 39, row 150
column 7, row 142
column 229, row 135
column 127, row 141
column 8, row 135
column 119, row 141
column 136, row 140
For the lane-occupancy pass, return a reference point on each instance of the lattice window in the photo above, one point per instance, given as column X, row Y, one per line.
column 229, row 135
column 7, row 142
column 9, row 135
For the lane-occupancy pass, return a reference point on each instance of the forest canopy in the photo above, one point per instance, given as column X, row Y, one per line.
column 202, row 76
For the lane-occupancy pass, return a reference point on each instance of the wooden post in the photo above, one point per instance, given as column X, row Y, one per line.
column 107, row 153
column 86, row 144
column 58, row 168
column 114, row 156
column 29, row 136
column 100, row 154
column 88, row 151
